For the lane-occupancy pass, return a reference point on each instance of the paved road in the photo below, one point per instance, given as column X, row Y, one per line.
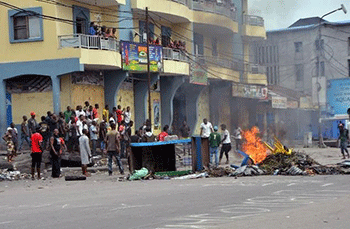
column 103, row 202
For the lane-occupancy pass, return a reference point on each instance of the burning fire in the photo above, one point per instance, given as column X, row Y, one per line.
column 253, row 145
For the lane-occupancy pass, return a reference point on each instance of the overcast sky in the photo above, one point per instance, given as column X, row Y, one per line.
column 282, row 13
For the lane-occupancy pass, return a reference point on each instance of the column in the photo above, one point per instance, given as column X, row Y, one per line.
column 125, row 12
column 141, row 96
column 169, row 86
column 3, row 123
column 113, row 82
column 56, row 94
column 192, row 96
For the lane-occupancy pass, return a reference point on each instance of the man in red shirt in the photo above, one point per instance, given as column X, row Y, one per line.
column 119, row 115
column 95, row 112
column 163, row 134
column 37, row 151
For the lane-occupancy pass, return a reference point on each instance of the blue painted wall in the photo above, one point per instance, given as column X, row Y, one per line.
column 126, row 34
column 338, row 96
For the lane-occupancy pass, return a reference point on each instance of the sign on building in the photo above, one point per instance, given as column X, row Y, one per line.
column 198, row 75
column 134, row 57
column 338, row 96
column 249, row 91
column 279, row 102
column 292, row 104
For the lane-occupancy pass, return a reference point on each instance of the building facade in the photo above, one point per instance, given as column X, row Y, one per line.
column 50, row 61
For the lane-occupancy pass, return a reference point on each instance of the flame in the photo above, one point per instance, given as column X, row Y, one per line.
column 253, row 146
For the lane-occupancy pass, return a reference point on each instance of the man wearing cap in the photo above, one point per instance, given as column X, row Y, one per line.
column 37, row 151
column 32, row 124
column 214, row 142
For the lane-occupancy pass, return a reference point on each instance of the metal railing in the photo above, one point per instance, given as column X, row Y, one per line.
column 253, row 20
column 88, row 42
column 174, row 54
column 214, row 7
column 255, row 69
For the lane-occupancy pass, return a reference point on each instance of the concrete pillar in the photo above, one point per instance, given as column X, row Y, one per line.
column 215, row 94
column 113, row 81
column 169, row 86
column 3, row 124
column 125, row 12
column 141, row 98
column 56, row 94
column 192, row 95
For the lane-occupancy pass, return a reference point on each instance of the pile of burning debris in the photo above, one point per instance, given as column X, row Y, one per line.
column 264, row 159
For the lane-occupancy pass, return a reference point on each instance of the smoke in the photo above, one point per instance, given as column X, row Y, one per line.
column 282, row 13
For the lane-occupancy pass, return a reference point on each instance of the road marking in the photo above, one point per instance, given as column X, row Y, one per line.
column 291, row 184
column 64, row 206
column 130, row 206
column 267, row 184
column 325, row 185
column 6, row 222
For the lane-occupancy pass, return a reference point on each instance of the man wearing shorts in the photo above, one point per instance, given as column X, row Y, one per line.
column 37, row 151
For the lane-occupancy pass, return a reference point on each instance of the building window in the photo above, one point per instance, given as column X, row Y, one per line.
column 299, row 72
column 298, row 47
column 81, row 16
column 214, row 47
column 142, row 29
column 319, row 44
column 26, row 26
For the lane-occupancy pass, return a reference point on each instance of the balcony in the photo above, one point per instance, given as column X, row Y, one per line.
column 214, row 7
column 253, row 20
column 175, row 62
column 256, row 74
column 254, row 27
column 94, row 50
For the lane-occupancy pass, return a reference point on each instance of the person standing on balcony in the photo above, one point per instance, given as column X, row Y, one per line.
column 92, row 30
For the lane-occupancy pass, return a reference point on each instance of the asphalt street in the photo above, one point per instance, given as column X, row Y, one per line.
column 104, row 202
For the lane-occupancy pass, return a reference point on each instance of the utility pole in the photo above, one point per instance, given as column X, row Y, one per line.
column 319, row 46
column 148, row 70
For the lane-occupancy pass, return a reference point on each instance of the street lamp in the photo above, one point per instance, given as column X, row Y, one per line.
column 319, row 87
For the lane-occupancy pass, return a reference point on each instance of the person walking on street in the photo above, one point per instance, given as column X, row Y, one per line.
column 37, row 152
column 14, row 134
column 94, row 137
column 32, row 124
column 55, row 152
column 9, row 144
column 85, row 152
column 113, row 149
column 226, row 144
column 214, row 142
column 24, row 133
column 343, row 138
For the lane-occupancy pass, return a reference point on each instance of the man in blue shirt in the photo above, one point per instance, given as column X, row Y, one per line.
column 92, row 30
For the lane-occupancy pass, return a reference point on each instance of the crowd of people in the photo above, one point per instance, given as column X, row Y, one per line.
column 102, row 31
column 81, row 130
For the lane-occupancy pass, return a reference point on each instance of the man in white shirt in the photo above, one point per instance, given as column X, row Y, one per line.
column 80, row 126
column 226, row 143
column 206, row 129
column 79, row 112
column 127, row 116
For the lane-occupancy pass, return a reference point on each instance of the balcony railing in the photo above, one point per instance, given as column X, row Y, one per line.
column 174, row 54
column 253, row 20
column 214, row 7
column 255, row 69
column 88, row 42
column 221, row 62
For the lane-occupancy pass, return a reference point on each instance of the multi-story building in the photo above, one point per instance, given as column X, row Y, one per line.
column 305, row 55
column 49, row 61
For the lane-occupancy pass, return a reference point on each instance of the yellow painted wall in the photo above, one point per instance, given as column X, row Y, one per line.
column 223, row 73
column 203, row 109
column 126, row 98
column 92, row 93
column 66, row 88
column 100, row 57
column 176, row 67
column 224, row 109
column 257, row 79
column 24, row 103
column 255, row 31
